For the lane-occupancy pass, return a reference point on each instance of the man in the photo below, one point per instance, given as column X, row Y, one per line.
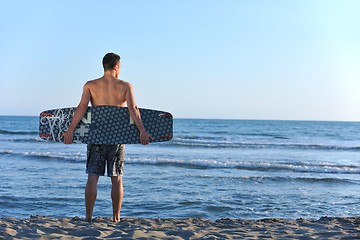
column 110, row 91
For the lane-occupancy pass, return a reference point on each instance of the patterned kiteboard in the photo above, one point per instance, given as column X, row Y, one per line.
column 105, row 125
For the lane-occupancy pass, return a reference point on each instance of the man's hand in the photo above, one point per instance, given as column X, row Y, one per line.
column 68, row 137
column 145, row 138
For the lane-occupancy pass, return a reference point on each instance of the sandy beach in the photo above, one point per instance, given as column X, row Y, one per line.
column 188, row 228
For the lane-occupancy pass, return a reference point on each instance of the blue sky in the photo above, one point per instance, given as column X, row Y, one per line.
column 239, row 59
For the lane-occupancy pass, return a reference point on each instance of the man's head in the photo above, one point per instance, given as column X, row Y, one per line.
column 110, row 61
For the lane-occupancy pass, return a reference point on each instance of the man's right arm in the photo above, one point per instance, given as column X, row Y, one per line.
column 135, row 115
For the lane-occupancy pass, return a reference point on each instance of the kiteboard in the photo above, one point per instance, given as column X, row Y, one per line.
column 105, row 125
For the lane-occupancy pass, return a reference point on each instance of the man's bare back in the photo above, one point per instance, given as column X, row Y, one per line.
column 108, row 91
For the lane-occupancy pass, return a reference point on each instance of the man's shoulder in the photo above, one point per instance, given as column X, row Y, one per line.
column 94, row 81
column 123, row 82
column 98, row 81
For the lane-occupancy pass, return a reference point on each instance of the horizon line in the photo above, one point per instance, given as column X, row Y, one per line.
column 229, row 119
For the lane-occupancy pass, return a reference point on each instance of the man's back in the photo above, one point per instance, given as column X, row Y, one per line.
column 108, row 91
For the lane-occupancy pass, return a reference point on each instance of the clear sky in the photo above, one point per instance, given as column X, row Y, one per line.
column 240, row 59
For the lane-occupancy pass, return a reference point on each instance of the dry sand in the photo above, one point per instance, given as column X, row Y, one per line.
column 189, row 228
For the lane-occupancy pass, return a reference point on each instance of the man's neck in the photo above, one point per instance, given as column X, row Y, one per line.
column 110, row 73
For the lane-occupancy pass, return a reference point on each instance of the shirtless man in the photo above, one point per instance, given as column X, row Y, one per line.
column 110, row 91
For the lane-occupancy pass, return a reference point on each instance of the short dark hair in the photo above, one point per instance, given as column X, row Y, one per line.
column 110, row 60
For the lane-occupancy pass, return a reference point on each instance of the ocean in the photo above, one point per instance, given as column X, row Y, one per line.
column 211, row 169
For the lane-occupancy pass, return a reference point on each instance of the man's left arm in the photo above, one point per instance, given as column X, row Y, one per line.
column 78, row 115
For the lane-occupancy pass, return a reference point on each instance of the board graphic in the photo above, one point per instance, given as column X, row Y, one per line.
column 105, row 125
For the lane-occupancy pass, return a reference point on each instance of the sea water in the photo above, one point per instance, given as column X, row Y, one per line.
column 212, row 169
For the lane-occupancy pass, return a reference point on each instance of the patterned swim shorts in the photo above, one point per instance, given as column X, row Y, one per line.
column 100, row 155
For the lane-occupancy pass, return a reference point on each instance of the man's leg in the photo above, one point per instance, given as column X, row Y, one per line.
column 90, row 195
column 117, row 193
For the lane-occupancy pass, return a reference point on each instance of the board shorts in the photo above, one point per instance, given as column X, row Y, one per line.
column 101, row 155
